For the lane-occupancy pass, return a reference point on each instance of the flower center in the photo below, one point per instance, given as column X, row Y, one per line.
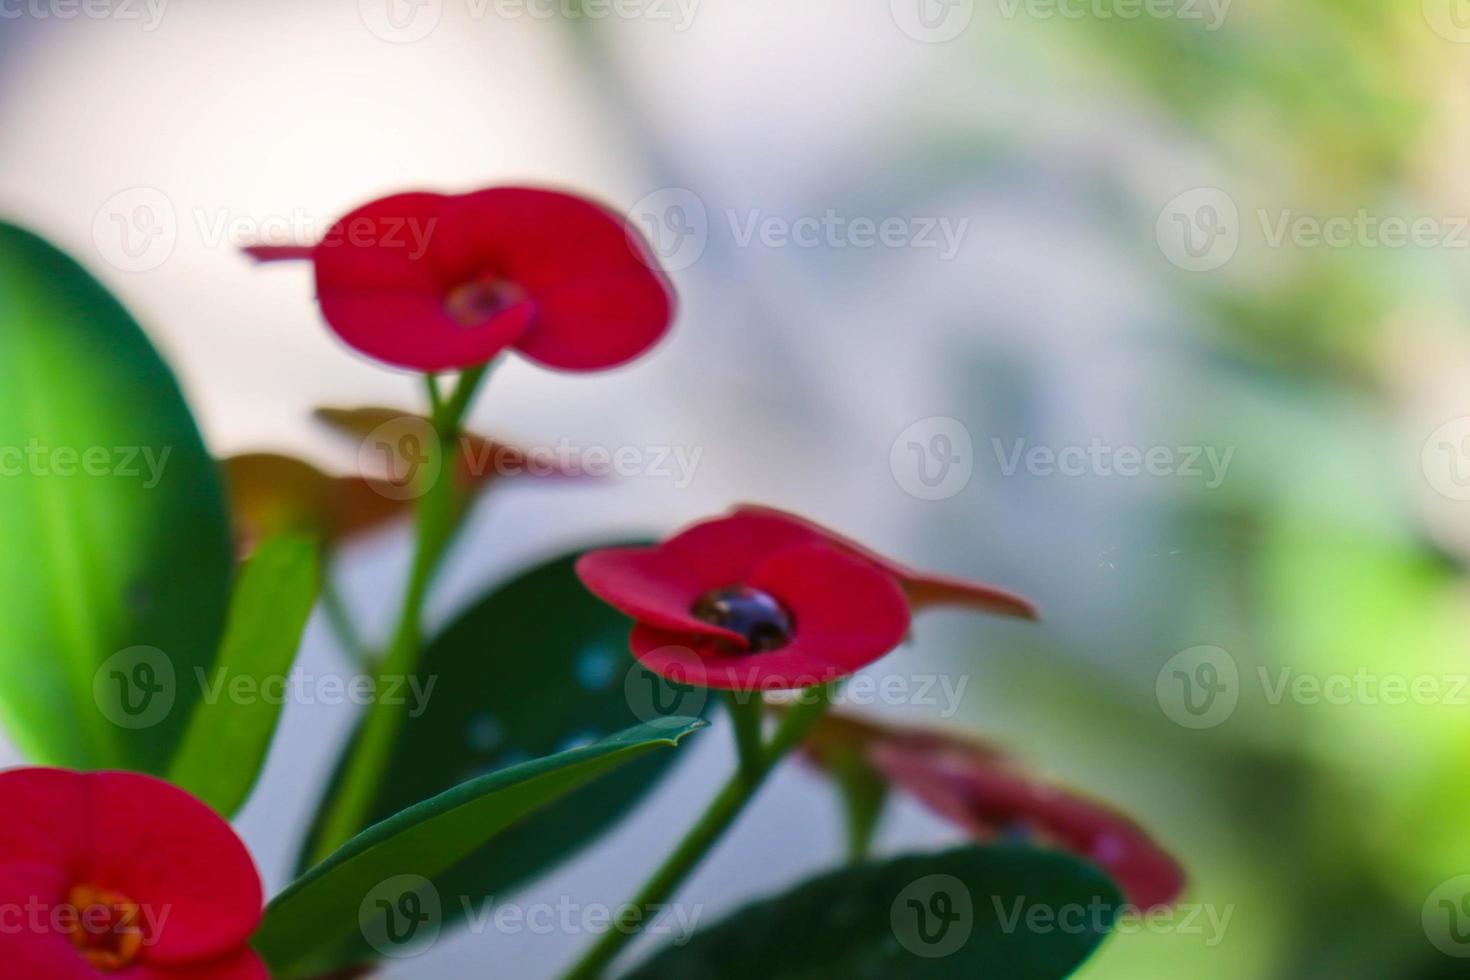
column 750, row 612
column 482, row 299
column 105, row 927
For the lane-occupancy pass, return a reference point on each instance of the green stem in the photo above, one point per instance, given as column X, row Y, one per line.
column 339, row 618
column 746, row 712
column 715, row 820
column 439, row 513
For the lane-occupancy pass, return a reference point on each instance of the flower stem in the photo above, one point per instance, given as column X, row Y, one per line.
column 439, row 512
column 715, row 820
column 746, row 714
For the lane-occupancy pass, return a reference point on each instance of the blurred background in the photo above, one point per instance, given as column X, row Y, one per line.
column 1153, row 311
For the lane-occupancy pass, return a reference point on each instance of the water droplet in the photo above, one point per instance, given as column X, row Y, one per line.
column 594, row 668
column 754, row 614
column 481, row 300
column 576, row 741
column 484, row 732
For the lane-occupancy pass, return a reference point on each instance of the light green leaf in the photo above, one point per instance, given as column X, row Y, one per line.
column 116, row 559
column 227, row 739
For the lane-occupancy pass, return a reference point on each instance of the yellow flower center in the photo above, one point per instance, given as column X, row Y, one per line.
column 105, row 927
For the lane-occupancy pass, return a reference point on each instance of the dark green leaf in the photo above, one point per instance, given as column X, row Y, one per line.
column 999, row 913
column 116, row 560
column 227, row 739
column 305, row 926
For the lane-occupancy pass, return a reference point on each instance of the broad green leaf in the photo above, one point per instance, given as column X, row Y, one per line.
column 115, row 563
column 227, row 739
column 536, row 666
column 305, row 926
column 1000, row 913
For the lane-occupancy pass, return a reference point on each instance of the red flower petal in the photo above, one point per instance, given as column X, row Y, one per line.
column 654, row 587
column 922, row 589
column 846, row 615
column 31, row 943
column 167, row 851
column 986, row 798
column 45, row 818
column 386, row 275
column 242, row 965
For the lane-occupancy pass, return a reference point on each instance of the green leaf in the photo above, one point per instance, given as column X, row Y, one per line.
column 227, row 739
column 1001, row 913
column 538, row 665
column 116, row 561
column 305, row 926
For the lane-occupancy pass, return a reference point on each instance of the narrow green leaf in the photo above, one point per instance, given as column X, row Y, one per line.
column 226, row 742
column 116, row 558
column 1001, row 913
column 305, row 926
column 536, row 666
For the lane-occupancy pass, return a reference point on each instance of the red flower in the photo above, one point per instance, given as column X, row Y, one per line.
column 982, row 791
column 764, row 600
column 119, row 874
column 435, row 282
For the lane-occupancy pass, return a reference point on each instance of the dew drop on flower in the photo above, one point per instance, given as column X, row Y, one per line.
column 594, row 668
column 754, row 614
column 484, row 732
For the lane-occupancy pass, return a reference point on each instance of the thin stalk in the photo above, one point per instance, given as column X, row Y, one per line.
column 439, row 512
column 716, row 819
